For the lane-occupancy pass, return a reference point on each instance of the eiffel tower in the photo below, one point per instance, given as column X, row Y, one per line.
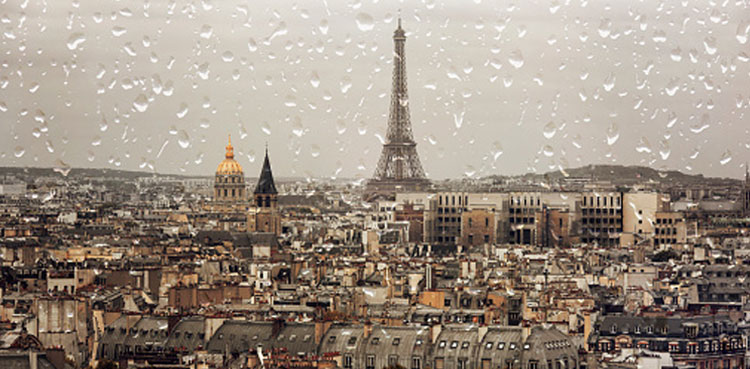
column 399, row 168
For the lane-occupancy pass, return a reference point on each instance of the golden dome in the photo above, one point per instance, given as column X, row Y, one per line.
column 229, row 166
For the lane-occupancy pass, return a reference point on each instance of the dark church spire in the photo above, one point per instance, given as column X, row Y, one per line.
column 266, row 185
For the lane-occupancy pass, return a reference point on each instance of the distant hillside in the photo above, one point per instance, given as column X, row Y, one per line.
column 619, row 174
column 78, row 173
column 83, row 173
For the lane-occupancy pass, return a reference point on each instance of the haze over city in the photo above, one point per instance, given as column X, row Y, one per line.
column 494, row 87
column 352, row 195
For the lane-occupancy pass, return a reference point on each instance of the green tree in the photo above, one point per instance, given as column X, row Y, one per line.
column 665, row 255
column 106, row 364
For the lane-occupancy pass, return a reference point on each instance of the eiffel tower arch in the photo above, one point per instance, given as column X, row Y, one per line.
column 399, row 168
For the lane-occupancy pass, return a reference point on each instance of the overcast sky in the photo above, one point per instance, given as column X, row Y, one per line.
column 496, row 87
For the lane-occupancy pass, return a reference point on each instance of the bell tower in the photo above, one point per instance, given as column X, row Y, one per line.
column 265, row 216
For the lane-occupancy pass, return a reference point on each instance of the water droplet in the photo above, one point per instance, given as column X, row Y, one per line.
column 203, row 71
column 659, row 36
column 227, row 56
column 314, row 79
column 75, row 40
column 19, row 151
column 643, row 146
column 676, row 54
column 672, row 86
column 726, row 157
column 516, row 59
column 458, row 119
column 266, row 128
column 315, row 150
column 548, row 151
column 183, row 139
column 743, row 32
column 554, row 6
column 695, row 153
column 671, row 119
column 206, row 31
column 128, row 47
column 182, row 111
column 609, row 82
column 118, row 31
column 709, row 43
column 701, row 126
column 297, row 128
column 605, row 28
column 62, row 168
column 664, row 150
column 49, row 196
column 613, row 134
column 141, row 103
column 323, row 27
column 365, row 22
column 507, row 81
column 497, row 150
column 549, row 130
column 346, row 84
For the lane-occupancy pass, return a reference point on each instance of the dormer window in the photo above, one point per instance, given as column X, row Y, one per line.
column 691, row 330
column 375, row 341
column 613, row 329
column 331, row 339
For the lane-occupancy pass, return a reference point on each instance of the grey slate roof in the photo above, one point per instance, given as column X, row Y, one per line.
column 22, row 360
column 189, row 334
